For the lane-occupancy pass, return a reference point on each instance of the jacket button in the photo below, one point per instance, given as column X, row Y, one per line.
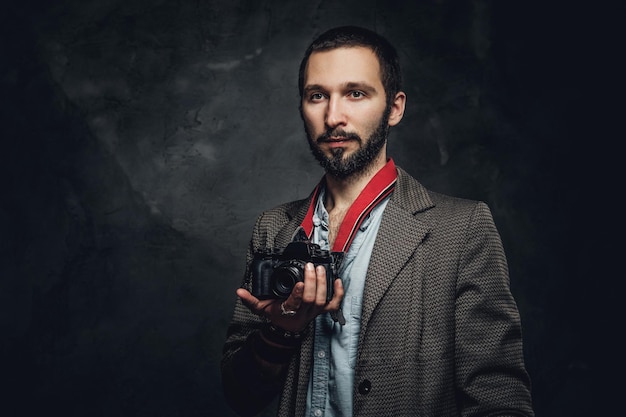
column 365, row 387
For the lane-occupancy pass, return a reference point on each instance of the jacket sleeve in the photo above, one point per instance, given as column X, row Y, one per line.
column 491, row 378
column 248, row 387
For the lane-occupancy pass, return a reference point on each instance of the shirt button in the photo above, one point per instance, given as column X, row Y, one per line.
column 321, row 354
column 317, row 413
column 365, row 387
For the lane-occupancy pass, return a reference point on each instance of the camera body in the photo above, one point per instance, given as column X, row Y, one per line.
column 276, row 271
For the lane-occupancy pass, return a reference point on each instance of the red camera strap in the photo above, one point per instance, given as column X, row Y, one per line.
column 379, row 187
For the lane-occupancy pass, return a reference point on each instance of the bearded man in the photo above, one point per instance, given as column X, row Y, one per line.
column 401, row 304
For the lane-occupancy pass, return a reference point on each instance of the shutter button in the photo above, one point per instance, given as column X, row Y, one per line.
column 365, row 387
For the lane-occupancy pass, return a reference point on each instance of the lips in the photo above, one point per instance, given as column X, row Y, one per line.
column 337, row 139
column 336, row 142
column 334, row 139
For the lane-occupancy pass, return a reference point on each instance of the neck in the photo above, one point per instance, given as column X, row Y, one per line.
column 341, row 193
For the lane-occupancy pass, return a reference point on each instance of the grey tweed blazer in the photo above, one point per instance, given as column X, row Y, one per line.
column 440, row 331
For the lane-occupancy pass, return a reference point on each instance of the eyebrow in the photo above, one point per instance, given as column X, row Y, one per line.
column 368, row 88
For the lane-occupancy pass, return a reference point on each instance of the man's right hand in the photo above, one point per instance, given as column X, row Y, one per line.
column 307, row 299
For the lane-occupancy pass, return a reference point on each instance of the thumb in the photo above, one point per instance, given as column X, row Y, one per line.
column 254, row 304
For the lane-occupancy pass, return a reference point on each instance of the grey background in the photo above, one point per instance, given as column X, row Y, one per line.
column 140, row 139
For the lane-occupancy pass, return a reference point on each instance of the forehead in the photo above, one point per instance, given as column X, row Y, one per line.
column 343, row 65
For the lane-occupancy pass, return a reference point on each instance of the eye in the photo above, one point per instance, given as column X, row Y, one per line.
column 357, row 94
column 316, row 97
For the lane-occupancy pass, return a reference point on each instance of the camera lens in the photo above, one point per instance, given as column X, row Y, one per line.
column 285, row 277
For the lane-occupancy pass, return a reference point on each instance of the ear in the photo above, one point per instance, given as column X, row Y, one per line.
column 397, row 108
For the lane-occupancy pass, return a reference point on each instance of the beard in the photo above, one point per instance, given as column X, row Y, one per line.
column 343, row 166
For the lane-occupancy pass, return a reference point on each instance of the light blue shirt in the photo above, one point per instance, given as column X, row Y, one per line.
column 335, row 347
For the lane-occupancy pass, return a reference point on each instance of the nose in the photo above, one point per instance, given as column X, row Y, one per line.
column 335, row 114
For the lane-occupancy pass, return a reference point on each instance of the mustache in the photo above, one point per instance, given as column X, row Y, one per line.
column 338, row 133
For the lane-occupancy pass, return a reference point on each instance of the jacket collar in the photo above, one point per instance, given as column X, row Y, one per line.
column 409, row 195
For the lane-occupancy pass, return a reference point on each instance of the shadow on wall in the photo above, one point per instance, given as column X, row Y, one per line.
column 108, row 310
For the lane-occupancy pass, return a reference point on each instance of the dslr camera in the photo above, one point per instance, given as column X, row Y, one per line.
column 276, row 271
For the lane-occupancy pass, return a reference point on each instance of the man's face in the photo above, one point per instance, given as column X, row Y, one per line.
column 344, row 110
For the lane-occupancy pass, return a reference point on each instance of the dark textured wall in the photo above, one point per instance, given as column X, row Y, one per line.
column 140, row 139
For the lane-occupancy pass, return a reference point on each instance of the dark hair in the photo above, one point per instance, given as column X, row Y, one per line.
column 351, row 36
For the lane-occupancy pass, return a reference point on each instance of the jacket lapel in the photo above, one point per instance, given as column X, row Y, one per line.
column 403, row 227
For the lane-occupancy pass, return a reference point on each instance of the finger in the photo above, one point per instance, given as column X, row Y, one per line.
column 320, row 290
column 310, row 283
column 338, row 293
column 295, row 298
column 254, row 304
column 246, row 296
